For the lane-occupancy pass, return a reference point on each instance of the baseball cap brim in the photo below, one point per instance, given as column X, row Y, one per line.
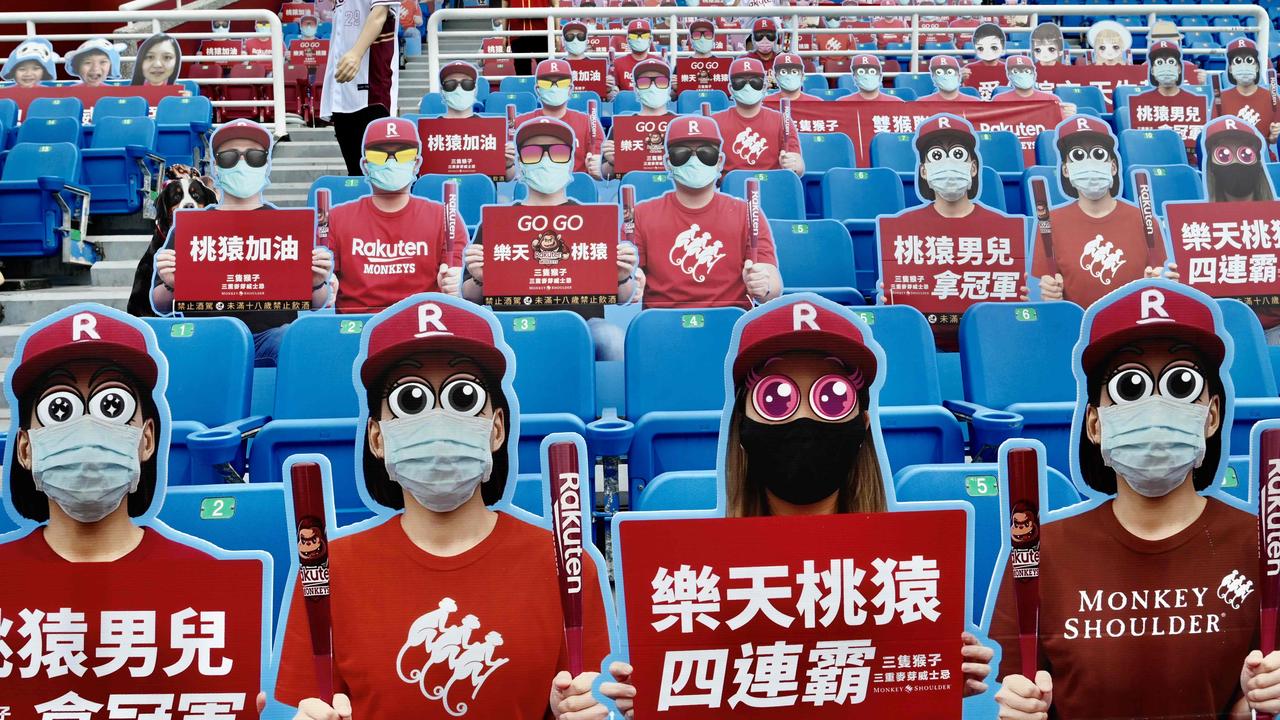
column 227, row 133
column 488, row 357
column 1100, row 349
column 459, row 67
column 139, row 364
column 848, row 351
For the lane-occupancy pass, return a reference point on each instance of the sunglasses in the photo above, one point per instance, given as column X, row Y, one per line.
column 764, row 36
column 378, row 157
column 741, row 81
column 467, row 84
column 707, row 154
column 559, row 153
column 662, row 82
column 579, row 35
column 699, row 34
column 638, row 36
column 560, row 83
column 227, row 159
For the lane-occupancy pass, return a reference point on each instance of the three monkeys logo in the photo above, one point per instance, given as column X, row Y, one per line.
column 548, row 247
column 1234, row 588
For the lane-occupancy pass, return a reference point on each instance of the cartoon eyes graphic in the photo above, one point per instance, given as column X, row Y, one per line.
column 832, row 397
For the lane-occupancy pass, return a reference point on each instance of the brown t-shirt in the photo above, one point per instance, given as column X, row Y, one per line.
column 1096, row 255
column 1131, row 628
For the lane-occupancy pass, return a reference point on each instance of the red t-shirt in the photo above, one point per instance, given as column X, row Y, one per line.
column 882, row 97
column 1013, row 96
column 882, row 38
column 623, row 65
column 1135, row 628
column 381, row 258
column 154, row 547
column 405, row 622
column 937, row 97
column 1097, row 255
column 774, row 100
column 1254, row 109
column 527, row 23
column 581, row 124
column 694, row 258
column 755, row 143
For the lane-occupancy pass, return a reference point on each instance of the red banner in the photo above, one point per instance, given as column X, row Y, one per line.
column 312, row 53
column 863, row 121
column 87, row 95
column 941, row 266
column 767, row 618
column 294, row 11
column 1184, row 113
column 589, row 75
column 1228, row 249
column 214, row 48
column 550, row 255
column 132, row 639
column 455, row 146
column 702, row 73
column 243, row 260
column 986, row 78
column 639, row 142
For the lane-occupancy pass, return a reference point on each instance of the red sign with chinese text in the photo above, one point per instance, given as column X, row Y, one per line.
column 941, row 266
column 639, row 142
column 550, row 255
column 243, row 259
column 702, row 73
column 986, row 78
column 216, row 48
column 88, row 95
column 294, row 11
column 1184, row 113
column 831, row 616
column 132, row 639
column 312, row 53
column 1228, row 249
column 455, row 146
column 590, row 76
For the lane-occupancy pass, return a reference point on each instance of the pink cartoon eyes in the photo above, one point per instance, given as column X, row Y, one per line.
column 833, row 398
column 777, row 398
column 1225, row 155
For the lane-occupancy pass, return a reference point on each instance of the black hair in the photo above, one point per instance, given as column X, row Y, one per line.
column 1099, row 476
column 33, row 504
column 1078, row 140
column 1151, row 65
column 388, row 493
column 986, row 30
column 965, row 139
column 1261, row 187
column 1048, row 32
column 149, row 43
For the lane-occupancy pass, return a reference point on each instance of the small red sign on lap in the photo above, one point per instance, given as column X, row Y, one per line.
column 702, row 73
column 589, row 76
column 458, row 146
column 639, row 143
column 559, row 255
column 1184, row 113
column 231, row 260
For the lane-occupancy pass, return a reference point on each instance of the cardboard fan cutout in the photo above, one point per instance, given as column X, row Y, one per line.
column 159, row 61
column 989, row 43
column 1047, row 45
column 1110, row 42
column 31, row 63
column 94, row 62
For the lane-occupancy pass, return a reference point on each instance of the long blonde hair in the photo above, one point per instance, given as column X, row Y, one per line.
column 862, row 491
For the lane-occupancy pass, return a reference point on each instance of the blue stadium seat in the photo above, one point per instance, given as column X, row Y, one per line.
column 237, row 517
column 581, row 101
column 626, row 103
column 431, row 104
column 9, row 120
column 1120, row 98
column 1016, row 357
column 1168, row 182
column 40, row 197
column 516, row 83
column 897, row 152
column 555, row 376
column 781, row 194
column 814, row 82
column 822, row 152
column 497, row 102
column 992, row 189
column 1252, row 375
column 182, row 124
column 1151, row 147
column 919, row 83
column 855, row 197
column 977, row 484
column 581, row 188
column 341, row 189
column 815, row 256
column 830, row 93
column 474, row 191
column 689, row 102
column 68, row 107
column 119, row 107
column 676, row 415
column 906, row 93
column 315, row 410
column 1001, row 150
column 648, row 184
column 1084, row 96
column 50, row 130
column 681, row 490
column 1050, row 175
column 1047, row 148
column 121, row 166
column 204, row 394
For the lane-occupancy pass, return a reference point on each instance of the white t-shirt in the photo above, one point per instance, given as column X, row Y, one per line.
column 379, row 87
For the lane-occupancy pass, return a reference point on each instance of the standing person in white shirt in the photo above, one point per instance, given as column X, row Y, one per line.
column 361, row 79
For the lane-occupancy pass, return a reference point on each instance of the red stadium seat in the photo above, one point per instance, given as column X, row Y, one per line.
column 208, row 70
column 246, row 92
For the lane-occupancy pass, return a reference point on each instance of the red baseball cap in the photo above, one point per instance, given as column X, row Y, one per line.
column 1228, row 125
column 459, row 66
column 1146, row 309
column 650, row 64
column 639, row 26
column 949, row 124
column 786, row 60
column 702, row 23
column 1019, row 62
column 309, row 18
column 746, row 66
column 938, row 62
column 543, row 125
column 431, row 322
column 554, row 67
column 803, row 325
column 94, row 332
column 693, row 127
column 1242, row 44
column 764, row 24
column 391, row 131
column 1083, row 124
column 574, row 25
column 240, row 130
column 865, row 61
column 1164, row 47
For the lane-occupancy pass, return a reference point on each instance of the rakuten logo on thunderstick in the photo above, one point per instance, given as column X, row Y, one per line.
column 386, row 258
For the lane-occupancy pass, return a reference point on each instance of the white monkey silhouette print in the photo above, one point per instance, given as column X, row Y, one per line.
column 445, row 652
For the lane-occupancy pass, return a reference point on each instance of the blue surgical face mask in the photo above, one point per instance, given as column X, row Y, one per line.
column 693, row 174
column 1091, row 178
column 1022, row 79
column 1244, row 73
column 553, row 96
column 547, row 177
column 867, row 81
column 391, row 175
column 702, row 46
column 87, row 465
column 639, row 45
column 1153, row 443
column 575, row 47
column 747, row 95
column 653, row 96
column 789, row 80
column 833, row 22
column 458, row 99
column 308, row 31
column 440, row 457
column 946, row 81
column 949, row 178
column 242, row 181
column 1166, row 73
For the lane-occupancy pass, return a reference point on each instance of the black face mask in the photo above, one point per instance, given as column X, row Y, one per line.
column 802, row 461
column 1235, row 180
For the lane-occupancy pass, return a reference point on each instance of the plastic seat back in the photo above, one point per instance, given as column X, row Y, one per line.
column 555, row 375
column 106, row 107
column 121, row 132
column 781, row 194
column 697, row 339
column 911, row 365
column 1151, row 147
column 861, row 193
column 814, row 254
column 474, row 191
column 648, row 184
column 497, row 102
column 824, row 151
column 65, row 107
column 341, row 189
column 50, row 130
column 1019, row 352
column 895, row 151
column 1001, row 150
column 1168, row 182
column 689, row 102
